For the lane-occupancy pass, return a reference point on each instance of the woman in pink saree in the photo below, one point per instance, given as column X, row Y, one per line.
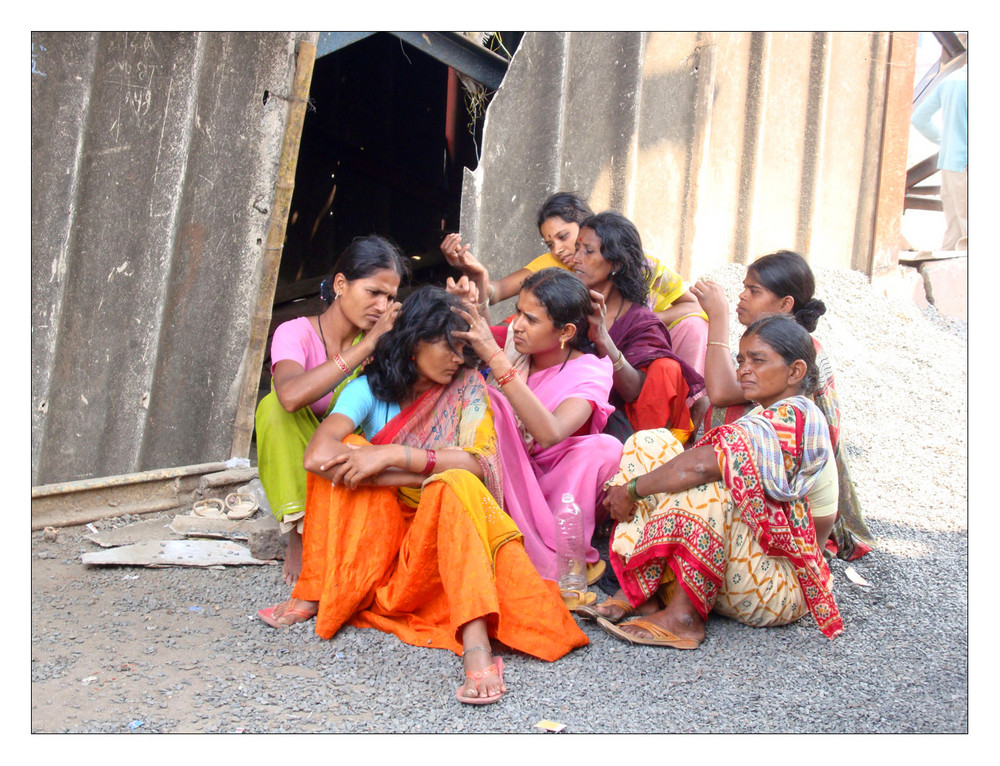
column 550, row 402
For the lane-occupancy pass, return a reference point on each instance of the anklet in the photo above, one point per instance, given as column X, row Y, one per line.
column 480, row 648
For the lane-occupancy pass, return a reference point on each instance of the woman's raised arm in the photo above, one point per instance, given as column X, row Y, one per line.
column 546, row 428
column 720, row 374
column 297, row 387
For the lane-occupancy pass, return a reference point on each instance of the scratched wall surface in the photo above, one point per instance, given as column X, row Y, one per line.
column 154, row 160
column 721, row 147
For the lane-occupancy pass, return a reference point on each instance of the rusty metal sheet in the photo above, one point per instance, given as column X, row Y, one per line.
column 154, row 159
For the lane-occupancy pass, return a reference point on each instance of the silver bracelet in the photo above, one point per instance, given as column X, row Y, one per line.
column 480, row 648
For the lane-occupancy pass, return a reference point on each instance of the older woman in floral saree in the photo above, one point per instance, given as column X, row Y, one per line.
column 726, row 525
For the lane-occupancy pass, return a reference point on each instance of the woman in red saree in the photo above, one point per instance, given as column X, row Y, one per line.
column 726, row 526
column 406, row 533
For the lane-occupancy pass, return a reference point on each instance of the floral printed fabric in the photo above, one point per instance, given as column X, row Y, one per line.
column 730, row 545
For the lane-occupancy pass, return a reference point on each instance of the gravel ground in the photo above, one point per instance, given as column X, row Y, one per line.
column 129, row 649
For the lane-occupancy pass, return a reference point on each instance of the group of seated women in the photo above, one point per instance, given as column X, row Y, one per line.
column 415, row 453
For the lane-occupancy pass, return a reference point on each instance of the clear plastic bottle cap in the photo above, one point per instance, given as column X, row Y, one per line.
column 567, row 498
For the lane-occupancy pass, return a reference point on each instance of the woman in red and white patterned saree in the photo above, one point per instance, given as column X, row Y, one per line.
column 726, row 526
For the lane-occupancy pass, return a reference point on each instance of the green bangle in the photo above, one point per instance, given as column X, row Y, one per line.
column 632, row 491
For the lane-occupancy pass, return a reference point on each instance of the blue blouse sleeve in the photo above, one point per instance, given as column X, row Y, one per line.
column 356, row 402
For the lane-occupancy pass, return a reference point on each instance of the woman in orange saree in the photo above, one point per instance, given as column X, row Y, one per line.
column 405, row 533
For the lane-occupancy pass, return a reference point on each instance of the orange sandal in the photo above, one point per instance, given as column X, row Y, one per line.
column 301, row 615
column 496, row 669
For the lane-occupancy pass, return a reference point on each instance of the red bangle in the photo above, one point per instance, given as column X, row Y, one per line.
column 490, row 360
column 431, row 460
column 342, row 364
column 507, row 377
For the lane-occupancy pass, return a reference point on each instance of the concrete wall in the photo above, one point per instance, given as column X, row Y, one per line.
column 154, row 161
column 721, row 147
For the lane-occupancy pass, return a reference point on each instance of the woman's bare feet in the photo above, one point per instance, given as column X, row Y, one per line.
column 293, row 559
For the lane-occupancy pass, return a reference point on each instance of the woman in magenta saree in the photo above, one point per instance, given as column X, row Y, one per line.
column 550, row 402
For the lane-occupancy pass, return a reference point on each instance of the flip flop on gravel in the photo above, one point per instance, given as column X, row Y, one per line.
column 578, row 599
column 267, row 615
column 591, row 612
column 595, row 571
column 209, row 508
column 659, row 636
column 240, row 505
column 496, row 669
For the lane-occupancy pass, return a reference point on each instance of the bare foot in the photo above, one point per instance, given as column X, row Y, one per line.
column 477, row 661
column 293, row 559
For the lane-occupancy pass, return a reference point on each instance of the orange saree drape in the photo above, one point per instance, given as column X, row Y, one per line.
column 373, row 560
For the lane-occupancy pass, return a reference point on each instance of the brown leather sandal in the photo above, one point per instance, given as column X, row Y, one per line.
column 590, row 612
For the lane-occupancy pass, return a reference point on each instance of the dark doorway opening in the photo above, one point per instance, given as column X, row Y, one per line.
column 384, row 144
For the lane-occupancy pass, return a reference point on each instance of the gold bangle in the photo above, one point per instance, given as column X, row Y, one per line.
column 620, row 363
column 717, row 343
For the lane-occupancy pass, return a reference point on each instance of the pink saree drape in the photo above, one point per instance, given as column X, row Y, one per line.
column 535, row 479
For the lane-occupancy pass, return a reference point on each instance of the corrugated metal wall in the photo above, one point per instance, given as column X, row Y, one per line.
column 719, row 146
column 154, row 160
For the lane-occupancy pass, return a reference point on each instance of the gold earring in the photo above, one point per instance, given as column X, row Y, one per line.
column 562, row 343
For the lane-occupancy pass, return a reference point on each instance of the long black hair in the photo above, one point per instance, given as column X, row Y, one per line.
column 790, row 340
column 786, row 273
column 362, row 258
column 425, row 315
column 621, row 246
column 566, row 299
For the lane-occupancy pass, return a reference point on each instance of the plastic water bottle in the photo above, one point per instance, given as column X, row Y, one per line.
column 570, row 555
